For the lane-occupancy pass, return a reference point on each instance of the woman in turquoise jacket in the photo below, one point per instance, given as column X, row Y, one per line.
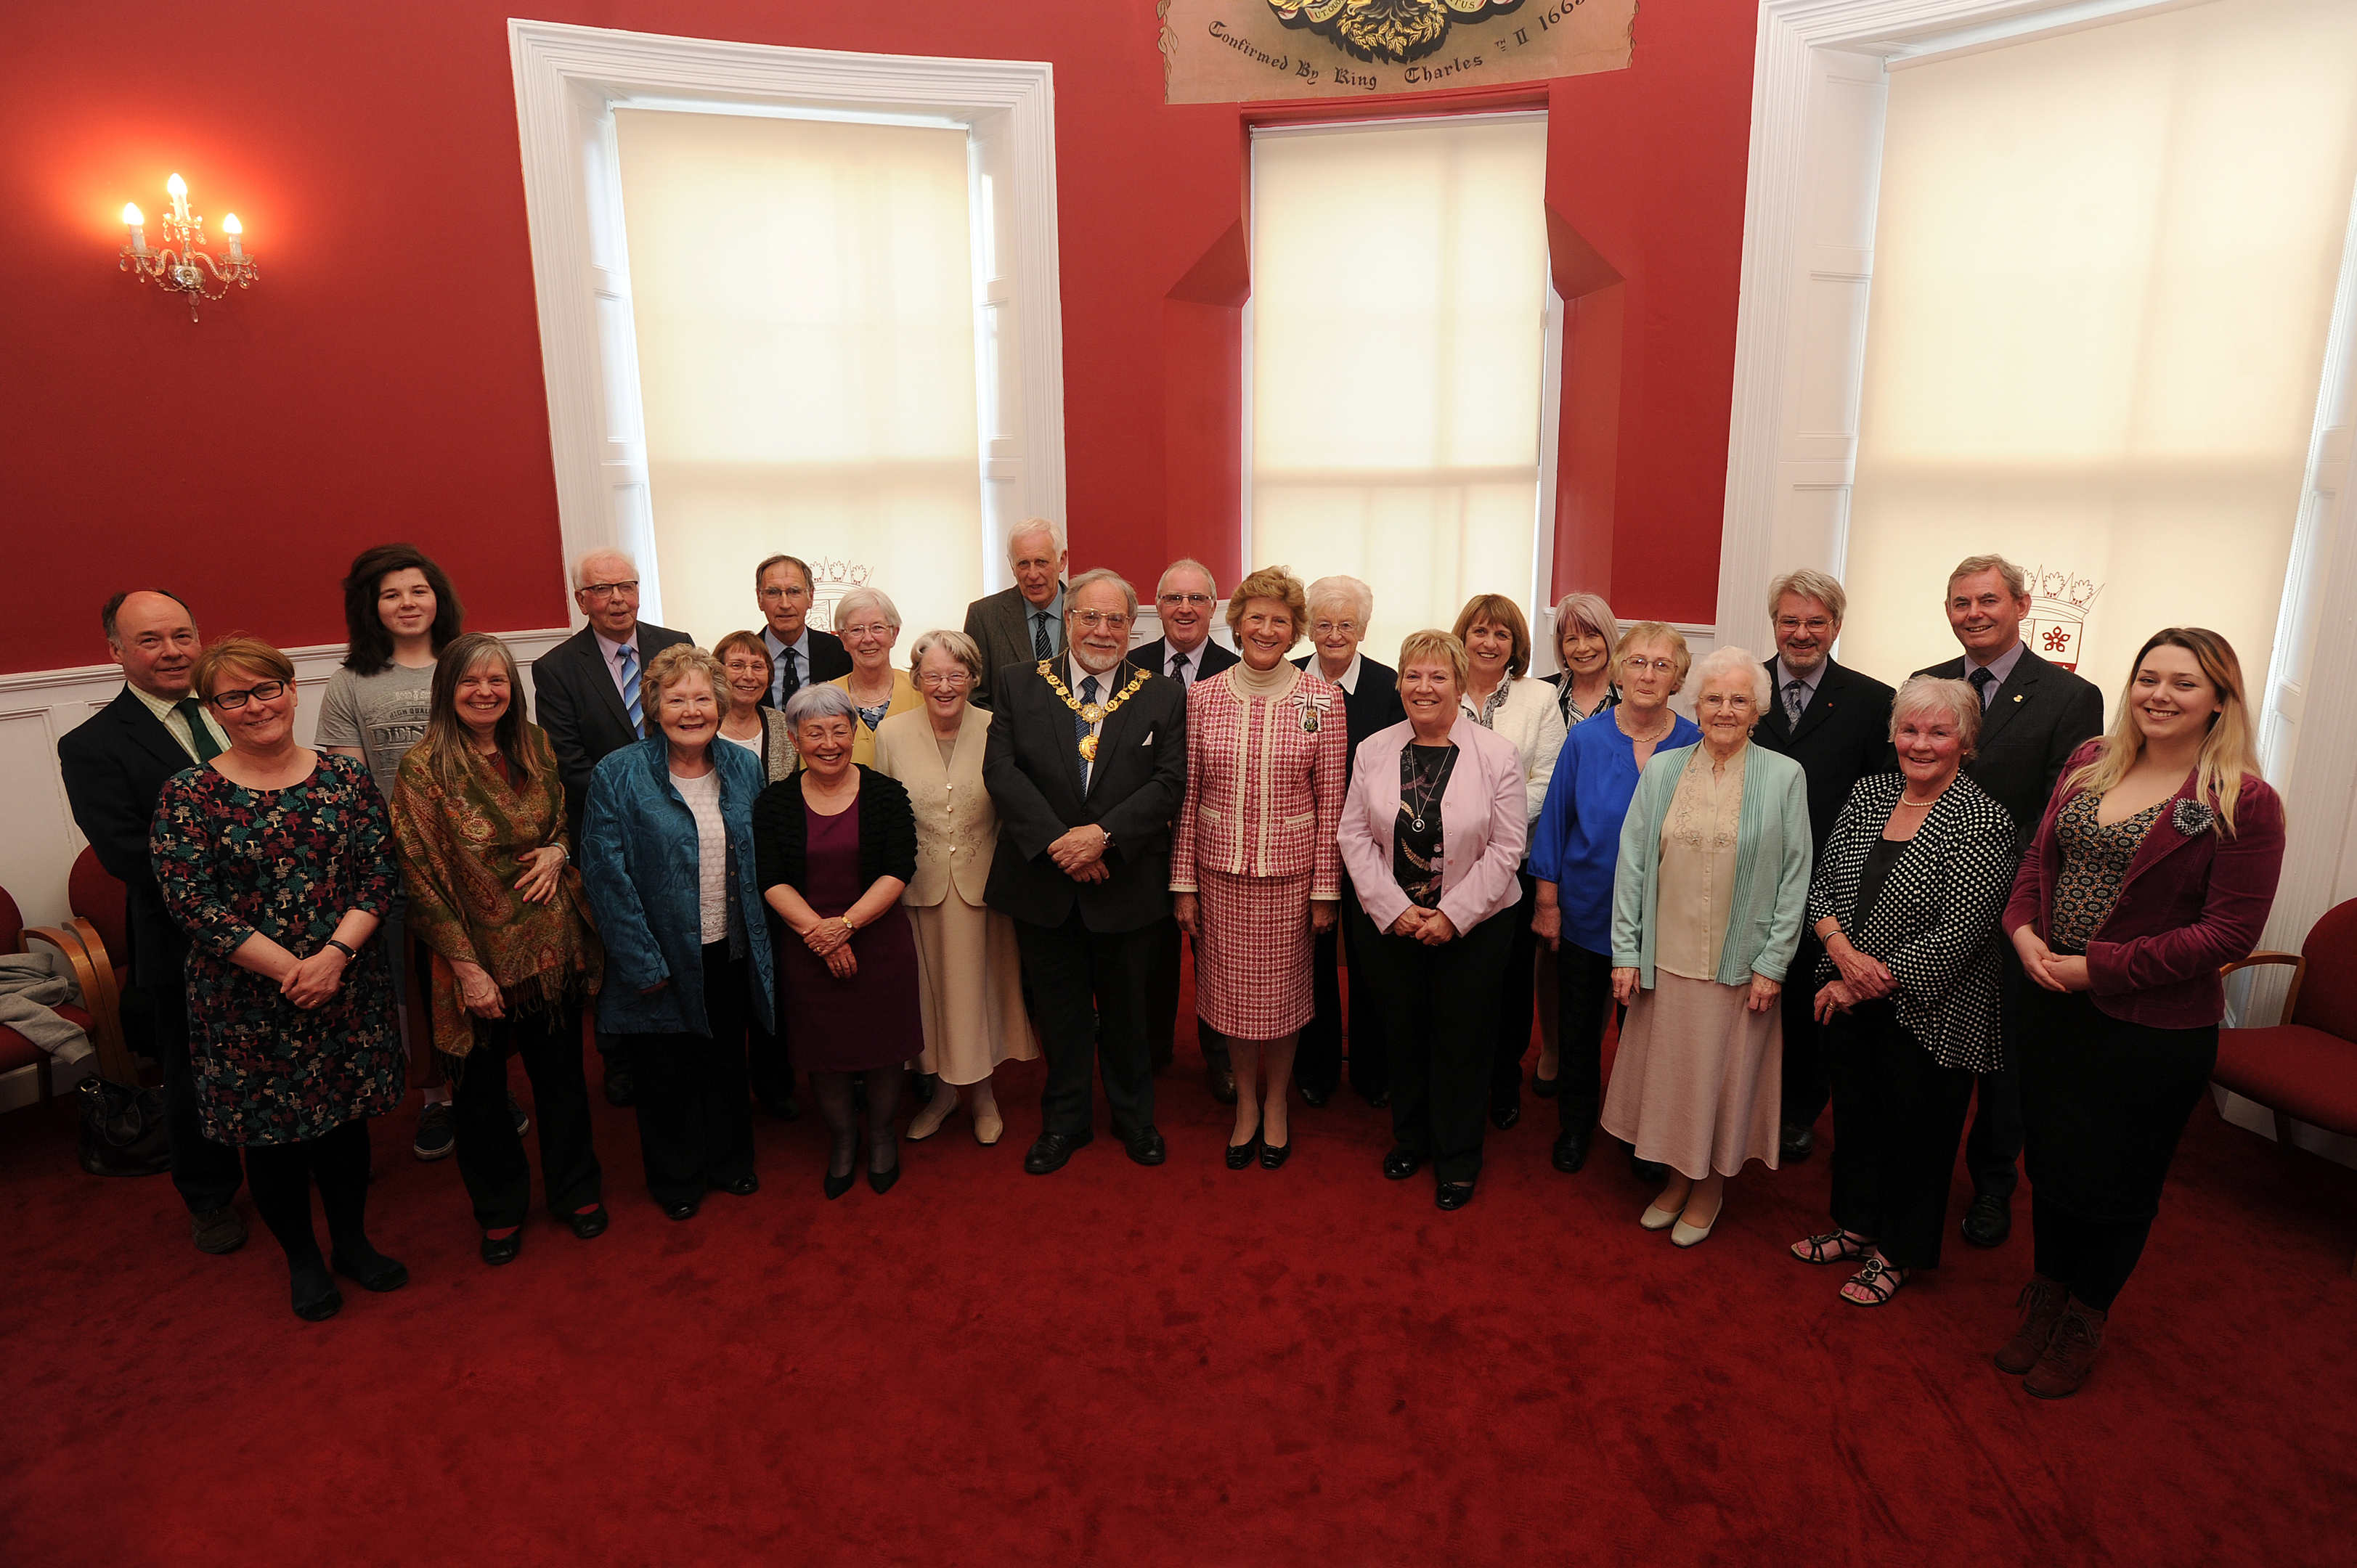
column 1707, row 902
column 667, row 859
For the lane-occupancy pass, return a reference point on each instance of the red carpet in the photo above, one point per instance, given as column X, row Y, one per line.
column 1178, row 1365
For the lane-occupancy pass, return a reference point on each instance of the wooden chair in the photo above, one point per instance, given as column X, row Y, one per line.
column 19, row 1057
column 2304, row 1067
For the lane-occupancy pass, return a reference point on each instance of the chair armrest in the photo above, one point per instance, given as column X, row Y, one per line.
column 2298, row 972
column 87, row 957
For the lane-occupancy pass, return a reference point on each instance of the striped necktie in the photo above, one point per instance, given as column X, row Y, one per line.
column 629, row 660
column 1042, row 646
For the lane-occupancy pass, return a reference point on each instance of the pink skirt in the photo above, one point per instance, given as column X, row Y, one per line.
column 1251, row 954
column 1698, row 1085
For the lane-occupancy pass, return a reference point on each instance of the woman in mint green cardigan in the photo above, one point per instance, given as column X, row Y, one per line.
column 1707, row 902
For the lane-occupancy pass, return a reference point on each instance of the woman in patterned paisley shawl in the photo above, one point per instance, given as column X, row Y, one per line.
column 478, row 815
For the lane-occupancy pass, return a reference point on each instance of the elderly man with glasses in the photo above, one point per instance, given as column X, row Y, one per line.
column 1187, row 601
column 586, row 694
column 1086, row 762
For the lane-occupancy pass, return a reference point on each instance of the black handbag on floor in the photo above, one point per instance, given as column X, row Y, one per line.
column 121, row 1130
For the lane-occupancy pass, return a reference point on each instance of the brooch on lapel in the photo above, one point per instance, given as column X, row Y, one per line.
column 2193, row 818
column 1313, row 714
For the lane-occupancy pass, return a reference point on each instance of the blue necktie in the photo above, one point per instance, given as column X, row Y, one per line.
column 1983, row 678
column 630, row 662
column 790, row 674
column 1081, row 725
column 1042, row 647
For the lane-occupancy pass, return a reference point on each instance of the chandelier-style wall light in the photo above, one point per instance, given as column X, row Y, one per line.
column 180, row 266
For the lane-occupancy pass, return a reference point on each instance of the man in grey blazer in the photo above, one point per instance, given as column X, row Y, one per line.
column 1024, row 624
column 586, row 696
column 2035, row 715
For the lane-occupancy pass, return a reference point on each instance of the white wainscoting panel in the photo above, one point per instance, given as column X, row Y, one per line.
column 39, row 707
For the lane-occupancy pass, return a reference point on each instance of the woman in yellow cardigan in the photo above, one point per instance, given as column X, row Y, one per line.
column 869, row 625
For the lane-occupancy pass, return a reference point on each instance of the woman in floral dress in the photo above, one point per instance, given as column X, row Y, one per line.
column 278, row 861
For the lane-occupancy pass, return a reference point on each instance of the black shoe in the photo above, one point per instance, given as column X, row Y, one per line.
column 1240, row 1154
column 881, row 1181
column 1274, row 1156
column 837, row 1185
column 313, row 1293
column 217, row 1231
column 621, row 1088
column 372, row 1270
column 1052, row 1149
column 1379, row 1101
column 1223, row 1084
column 1544, row 1088
column 1452, row 1195
column 1988, row 1221
column 1506, row 1107
column 743, row 1186
column 682, row 1210
column 1570, row 1152
column 1315, row 1099
column 589, row 1223
column 503, row 1248
column 1402, row 1163
column 1797, row 1142
column 1147, row 1148
column 1652, row 1173
column 784, row 1107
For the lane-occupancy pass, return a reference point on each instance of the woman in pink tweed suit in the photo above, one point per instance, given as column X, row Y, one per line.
column 1252, row 858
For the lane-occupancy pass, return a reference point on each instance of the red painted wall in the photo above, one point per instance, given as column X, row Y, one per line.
column 383, row 381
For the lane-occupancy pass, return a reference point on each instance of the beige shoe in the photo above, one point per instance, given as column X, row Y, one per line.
column 936, row 1111
column 1658, row 1219
column 987, row 1131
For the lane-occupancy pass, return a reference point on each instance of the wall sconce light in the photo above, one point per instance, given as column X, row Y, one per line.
column 177, row 267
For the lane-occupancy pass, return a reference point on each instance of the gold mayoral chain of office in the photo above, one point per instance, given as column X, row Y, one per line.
column 1093, row 713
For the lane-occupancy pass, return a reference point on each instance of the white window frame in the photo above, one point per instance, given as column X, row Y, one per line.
column 568, row 82
column 1541, row 583
column 1819, row 82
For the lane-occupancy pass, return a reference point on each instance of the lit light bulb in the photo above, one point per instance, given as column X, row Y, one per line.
column 130, row 216
column 179, row 189
column 230, row 225
column 177, row 185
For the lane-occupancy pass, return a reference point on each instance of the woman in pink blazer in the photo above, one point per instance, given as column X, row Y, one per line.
column 2155, row 863
column 1432, row 831
column 1253, row 868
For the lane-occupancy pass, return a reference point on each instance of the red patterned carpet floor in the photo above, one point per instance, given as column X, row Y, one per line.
column 1181, row 1366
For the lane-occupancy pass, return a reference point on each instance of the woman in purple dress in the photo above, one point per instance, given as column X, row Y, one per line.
column 836, row 845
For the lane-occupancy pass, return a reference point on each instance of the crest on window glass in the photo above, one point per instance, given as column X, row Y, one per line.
column 2056, row 623
column 831, row 580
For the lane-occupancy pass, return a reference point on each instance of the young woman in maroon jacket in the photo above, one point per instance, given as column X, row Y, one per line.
column 2155, row 863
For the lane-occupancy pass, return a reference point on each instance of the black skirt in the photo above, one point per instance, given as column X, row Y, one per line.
column 2103, row 1102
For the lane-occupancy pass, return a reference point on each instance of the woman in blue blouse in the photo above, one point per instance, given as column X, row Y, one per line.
column 1575, row 846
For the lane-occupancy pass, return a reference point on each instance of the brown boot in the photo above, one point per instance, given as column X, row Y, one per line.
column 2064, row 1365
column 2042, row 1308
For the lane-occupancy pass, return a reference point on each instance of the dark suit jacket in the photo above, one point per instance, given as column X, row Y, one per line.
column 1000, row 625
column 1156, row 656
column 1844, row 736
column 1033, row 774
column 1375, row 705
column 829, row 660
column 576, row 703
column 115, row 765
column 2041, row 715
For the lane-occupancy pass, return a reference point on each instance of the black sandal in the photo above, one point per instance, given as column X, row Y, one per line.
column 1879, row 1280
column 1832, row 1247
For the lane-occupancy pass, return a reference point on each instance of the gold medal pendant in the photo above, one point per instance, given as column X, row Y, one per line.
column 1093, row 712
column 1088, row 747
